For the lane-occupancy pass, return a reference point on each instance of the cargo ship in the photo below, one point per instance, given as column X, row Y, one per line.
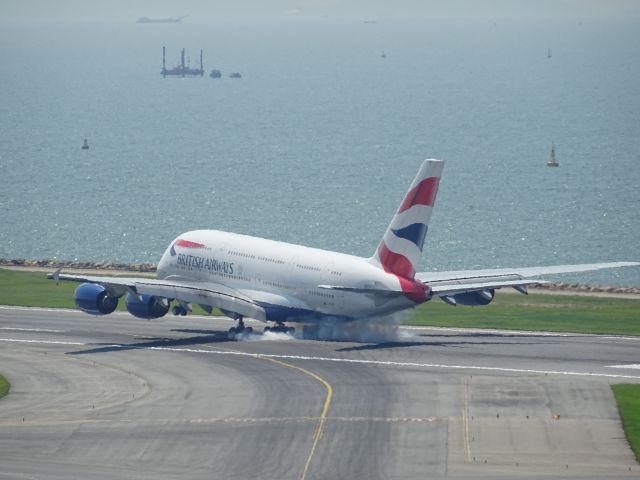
column 161, row 20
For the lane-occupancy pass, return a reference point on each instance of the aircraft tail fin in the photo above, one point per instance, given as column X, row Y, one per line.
column 400, row 249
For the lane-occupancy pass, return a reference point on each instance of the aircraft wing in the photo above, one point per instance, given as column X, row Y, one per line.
column 454, row 282
column 202, row 293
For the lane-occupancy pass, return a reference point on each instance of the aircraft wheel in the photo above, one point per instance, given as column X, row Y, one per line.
column 179, row 310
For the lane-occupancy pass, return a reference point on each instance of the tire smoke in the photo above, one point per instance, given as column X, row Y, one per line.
column 379, row 329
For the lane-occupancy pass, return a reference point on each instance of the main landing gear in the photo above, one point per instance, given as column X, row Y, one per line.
column 239, row 329
column 280, row 328
column 179, row 310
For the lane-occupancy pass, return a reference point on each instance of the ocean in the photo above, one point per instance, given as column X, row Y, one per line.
column 318, row 141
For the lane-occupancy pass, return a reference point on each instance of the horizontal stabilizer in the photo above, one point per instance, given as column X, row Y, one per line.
column 428, row 277
column 365, row 291
column 454, row 289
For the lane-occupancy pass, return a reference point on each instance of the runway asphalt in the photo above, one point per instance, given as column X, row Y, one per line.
column 119, row 397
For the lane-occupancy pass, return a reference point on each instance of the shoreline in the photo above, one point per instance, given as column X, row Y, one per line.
column 148, row 269
column 77, row 265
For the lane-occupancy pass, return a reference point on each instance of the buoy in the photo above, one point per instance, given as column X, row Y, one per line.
column 552, row 162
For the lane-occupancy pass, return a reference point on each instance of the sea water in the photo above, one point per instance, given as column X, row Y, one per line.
column 318, row 141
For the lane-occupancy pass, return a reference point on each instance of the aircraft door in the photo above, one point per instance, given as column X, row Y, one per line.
column 330, row 276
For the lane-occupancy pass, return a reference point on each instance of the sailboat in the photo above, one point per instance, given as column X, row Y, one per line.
column 85, row 145
column 549, row 53
column 552, row 162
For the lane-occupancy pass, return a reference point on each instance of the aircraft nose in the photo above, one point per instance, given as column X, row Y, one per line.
column 161, row 269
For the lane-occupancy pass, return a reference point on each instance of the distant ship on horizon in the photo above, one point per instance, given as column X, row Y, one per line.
column 161, row 20
column 183, row 69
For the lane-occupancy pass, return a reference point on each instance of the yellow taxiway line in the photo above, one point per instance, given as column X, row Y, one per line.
column 319, row 430
column 317, row 434
column 465, row 422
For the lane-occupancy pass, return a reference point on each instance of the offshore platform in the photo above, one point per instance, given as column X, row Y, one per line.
column 181, row 70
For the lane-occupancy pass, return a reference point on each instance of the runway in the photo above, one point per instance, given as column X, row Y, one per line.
column 119, row 397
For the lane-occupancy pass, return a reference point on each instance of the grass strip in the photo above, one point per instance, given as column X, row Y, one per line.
column 34, row 289
column 536, row 312
column 628, row 399
column 4, row 386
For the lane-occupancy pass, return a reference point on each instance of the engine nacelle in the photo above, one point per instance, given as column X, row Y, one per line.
column 150, row 307
column 474, row 299
column 93, row 298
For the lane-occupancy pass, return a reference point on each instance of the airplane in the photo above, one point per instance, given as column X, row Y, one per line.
column 272, row 281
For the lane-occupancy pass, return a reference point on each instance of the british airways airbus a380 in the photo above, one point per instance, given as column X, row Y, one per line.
column 270, row 281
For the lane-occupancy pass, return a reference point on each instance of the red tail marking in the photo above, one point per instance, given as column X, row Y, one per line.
column 395, row 263
column 422, row 194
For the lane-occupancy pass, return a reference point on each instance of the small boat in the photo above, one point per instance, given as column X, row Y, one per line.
column 85, row 145
column 552, row 162
column 235, row 75
column 215, row 74
column 161, row 20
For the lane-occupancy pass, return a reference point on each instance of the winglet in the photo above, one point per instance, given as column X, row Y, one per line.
column 56, row 275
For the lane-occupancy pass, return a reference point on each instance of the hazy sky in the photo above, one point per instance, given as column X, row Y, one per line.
column 126, row 10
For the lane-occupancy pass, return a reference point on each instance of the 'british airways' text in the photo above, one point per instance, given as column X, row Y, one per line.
column 203, row 263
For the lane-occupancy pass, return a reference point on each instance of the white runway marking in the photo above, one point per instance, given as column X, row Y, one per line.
column 338, row 359
column 19, row 329
column 401, row 364
column 40, row 309
column 45, row 342
column 523, row 333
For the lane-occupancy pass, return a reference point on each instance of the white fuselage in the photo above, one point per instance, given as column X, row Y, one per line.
column 286, row 279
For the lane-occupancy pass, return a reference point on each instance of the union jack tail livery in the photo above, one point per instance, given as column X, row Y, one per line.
column 400, row 249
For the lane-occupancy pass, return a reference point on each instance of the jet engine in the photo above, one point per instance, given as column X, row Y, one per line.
column 150, row 306
column 93, row 298
column 474, row 299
